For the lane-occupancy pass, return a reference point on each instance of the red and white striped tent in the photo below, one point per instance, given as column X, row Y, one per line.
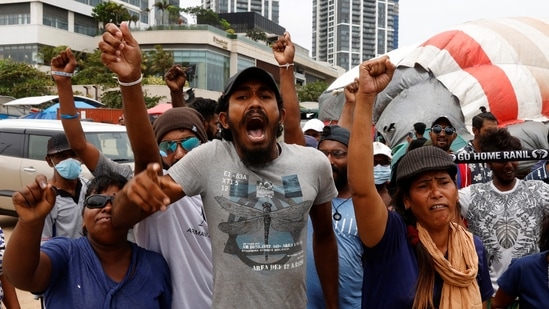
column 502, row 64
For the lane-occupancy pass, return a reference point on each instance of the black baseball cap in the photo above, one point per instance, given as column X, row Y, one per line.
column 251, row 73
column 58, row 143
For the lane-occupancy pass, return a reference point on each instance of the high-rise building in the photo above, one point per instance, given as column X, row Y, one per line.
column 347, row 32
column 267, row 8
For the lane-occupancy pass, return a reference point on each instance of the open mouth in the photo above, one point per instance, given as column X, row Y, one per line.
column 255, row 127
column 438, row 206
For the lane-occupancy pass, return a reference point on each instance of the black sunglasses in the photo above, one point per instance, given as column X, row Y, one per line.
column 98, row 201
column 437, row 128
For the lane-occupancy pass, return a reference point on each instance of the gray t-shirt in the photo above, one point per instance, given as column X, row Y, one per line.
column 257, row 219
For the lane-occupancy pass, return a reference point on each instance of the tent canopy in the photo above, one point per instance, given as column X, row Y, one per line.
column 159, row 108
column 51, row 112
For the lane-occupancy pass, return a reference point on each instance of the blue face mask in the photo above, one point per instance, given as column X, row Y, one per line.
column 382, row 174
column 69, row 168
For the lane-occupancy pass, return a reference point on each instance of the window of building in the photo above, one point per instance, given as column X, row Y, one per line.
column 15, row 14
column 55, row 17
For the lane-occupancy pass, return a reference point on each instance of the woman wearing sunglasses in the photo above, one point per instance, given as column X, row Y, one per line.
column 100, row 270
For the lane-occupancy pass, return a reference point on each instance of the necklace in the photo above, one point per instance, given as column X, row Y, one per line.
column 337, row 215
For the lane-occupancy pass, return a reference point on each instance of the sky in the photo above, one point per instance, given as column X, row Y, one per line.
column 419, row 19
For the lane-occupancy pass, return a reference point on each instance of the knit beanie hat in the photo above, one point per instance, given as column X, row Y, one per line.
column 335, row 133
column 422, row 159
column 178, row 118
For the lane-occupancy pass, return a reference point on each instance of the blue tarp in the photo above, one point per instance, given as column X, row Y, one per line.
column 51, row 112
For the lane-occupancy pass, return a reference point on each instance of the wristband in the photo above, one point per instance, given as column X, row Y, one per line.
column 287, row 65
column 61, row 73
column 138, row 81
column 68, row 116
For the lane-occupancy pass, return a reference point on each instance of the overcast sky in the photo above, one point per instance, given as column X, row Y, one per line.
column 419, row 19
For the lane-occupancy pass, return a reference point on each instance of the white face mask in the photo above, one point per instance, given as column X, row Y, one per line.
column 382, row 174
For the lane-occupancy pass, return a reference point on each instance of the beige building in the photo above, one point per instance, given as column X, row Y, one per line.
column 27, row 25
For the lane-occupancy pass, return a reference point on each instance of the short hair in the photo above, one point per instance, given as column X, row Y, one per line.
column 499, row 140
column 478, row 120
column 206, row 107
column 420, row 127
column 104, row 181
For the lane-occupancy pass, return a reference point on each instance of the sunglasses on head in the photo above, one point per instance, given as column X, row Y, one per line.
column 98, row 201
column 437, row 128
column 188, row 144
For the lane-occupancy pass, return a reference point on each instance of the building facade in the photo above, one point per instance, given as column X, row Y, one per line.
column 26, row 26
column 267, row 8
column 347, row 32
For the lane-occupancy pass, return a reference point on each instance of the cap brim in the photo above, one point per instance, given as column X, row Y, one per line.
column 251, row 72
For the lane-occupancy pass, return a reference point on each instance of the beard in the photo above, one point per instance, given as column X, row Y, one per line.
column 340, row 177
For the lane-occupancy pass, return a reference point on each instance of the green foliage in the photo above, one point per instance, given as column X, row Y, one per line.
column 110, row 12
column 47, row 53
column 225, row 25
column 311, row 91
column 151, row 101
column 111, row 99
column 207, row 17
column 93, row 71
column 153, row 80
column 135, row 19
column 256, row 35
column 158, row 61
column 173, row 14
column 163, row 6
column 21, row 80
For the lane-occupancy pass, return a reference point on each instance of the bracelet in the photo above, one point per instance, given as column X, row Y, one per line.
column 69, row 116
column 287, row 65
column 61, row 73
column 138, row 81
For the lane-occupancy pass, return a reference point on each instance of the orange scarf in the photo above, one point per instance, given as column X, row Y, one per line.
column 460, row 288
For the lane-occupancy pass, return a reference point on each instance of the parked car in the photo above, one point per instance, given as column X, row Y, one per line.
column 23, row 150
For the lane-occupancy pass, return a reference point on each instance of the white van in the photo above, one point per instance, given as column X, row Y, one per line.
column 23, row 144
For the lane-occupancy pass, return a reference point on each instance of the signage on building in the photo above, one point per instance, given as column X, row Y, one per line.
column 224, row 44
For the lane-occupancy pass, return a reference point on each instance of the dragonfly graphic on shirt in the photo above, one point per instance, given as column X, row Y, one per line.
column 288, row 219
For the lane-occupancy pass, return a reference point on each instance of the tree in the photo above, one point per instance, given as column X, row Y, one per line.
column 173, row 14
column 46, row 53
column 311, row 91
column 110, row 12
column 205, row 16
column 135, row 19
column 93, row 71
column 256, row 35
column 21, row 80
column 159, row 61
column 163, row 6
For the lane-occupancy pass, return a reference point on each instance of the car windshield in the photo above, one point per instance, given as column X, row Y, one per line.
column 114, row 145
